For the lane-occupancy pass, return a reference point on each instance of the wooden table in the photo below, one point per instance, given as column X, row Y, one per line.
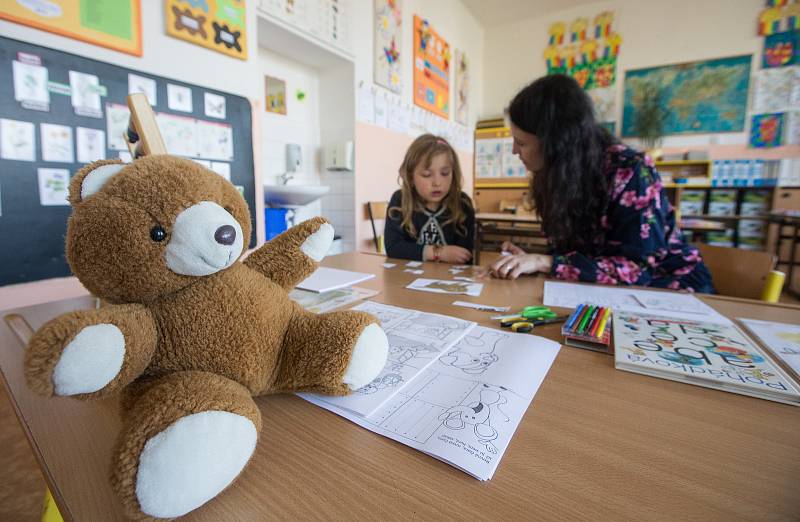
column 596, row 443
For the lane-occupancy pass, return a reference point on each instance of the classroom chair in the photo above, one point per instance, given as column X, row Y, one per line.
column 743, row 273
column 377, row 210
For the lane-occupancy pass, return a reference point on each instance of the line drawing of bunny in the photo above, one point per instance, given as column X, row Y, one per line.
column 473, row 355
column 478, row 415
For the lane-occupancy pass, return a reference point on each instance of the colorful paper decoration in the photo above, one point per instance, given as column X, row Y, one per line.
column 275, row 90
column 114, row 24
column 781, row 49
column 388, row 71
column 766, row 130
column 219, row 25
column 779, row 16
column 590, row 56
column 431, row 69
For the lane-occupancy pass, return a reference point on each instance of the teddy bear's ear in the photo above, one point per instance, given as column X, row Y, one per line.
column 91, row 178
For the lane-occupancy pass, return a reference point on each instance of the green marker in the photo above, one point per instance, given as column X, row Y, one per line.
column 585, row 320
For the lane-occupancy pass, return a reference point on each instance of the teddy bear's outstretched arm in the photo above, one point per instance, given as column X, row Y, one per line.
column 91, row 353
column 292, row 256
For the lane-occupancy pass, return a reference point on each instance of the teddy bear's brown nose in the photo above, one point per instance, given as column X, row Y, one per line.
column 225, row 235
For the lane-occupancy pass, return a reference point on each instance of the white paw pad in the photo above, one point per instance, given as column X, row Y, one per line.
column 317, row 244
column 369, row 357
column 192, row 460
column 90, row 361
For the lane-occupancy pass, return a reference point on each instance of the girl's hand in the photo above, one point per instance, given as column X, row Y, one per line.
column 511, row 267
column 511, row 248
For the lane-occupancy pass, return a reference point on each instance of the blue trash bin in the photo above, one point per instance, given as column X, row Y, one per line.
column 274, row 221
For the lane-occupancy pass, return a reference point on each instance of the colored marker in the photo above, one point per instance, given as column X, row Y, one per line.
column 574, row 318
column 593, row 328
column 602, row 328
column 589, row 311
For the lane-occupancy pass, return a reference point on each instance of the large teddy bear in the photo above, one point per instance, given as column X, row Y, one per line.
column 192, row 333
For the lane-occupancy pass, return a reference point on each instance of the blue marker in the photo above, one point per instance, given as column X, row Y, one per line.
column 575, row 315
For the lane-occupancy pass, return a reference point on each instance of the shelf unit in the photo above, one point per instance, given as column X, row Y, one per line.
column 488, row 192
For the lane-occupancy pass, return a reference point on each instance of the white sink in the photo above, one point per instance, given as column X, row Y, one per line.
column 293, row 196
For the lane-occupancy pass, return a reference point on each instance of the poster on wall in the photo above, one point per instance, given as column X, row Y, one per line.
column 219, row 25
column 766, row 130
column 700, row 97
column 431, row 69
column 389, row 44
column 114, row 24
column 588, row 53
column 779, row 16
column 781, row 49
column 275, row 89
column 462, row 87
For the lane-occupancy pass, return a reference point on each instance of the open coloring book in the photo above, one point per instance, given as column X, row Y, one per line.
column 464, row 408
column 416, row 339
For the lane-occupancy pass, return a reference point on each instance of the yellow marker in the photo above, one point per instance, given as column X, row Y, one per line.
column 602, row 328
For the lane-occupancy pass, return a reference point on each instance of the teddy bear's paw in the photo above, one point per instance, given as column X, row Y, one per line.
column 317, row 244
column 90, row 361
column 369, row 357
column 192, row 461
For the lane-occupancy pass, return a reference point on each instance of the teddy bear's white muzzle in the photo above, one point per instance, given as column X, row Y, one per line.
column 204, row 240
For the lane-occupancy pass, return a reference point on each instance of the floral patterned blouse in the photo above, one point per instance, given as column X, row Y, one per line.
column 641, row 244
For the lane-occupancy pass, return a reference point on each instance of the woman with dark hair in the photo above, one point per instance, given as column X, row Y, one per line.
column 602, row 204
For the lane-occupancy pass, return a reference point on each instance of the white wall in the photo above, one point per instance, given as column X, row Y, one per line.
column 653, row 33
column 300, row 125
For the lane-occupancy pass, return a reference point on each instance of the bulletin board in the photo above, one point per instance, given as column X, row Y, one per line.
column 219, row 25
column 59, row 111
column 431, row 69
column 115, row 24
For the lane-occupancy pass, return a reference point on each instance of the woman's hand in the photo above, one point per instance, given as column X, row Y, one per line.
column 511, row 248
column 449, row 254
column 514, row 265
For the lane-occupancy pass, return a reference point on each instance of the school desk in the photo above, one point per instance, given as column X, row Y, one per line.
column 502, row 224
column 596, row 442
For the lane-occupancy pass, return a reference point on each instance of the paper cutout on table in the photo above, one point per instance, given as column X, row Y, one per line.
column 146, row 86
column 482, row 307
column 179, row 98
column 214, row 105
column 439, row 286
column 465, row 408
column 414, row 264
column 17, row 140
column 416, row 339
column 389, row 265
column 179, row 134
column 672, row 304
column 325, row 279
column 782, row 339
column 414, row 271
column 91, row 144
column 699, row 352
column 56, row 143
column 53, row 184
column 327, row 301
column 117, row 118
column 30, row 86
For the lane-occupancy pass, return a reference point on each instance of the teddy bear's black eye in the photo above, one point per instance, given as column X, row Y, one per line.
column 158, row 234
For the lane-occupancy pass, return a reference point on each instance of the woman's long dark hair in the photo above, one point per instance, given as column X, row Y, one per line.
column 571, row 191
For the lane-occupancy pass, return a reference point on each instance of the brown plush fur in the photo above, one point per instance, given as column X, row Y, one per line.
column 192, row 344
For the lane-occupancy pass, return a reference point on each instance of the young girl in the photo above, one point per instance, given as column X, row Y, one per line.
column 429, row 218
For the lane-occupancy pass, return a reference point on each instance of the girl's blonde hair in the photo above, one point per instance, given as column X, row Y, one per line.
column 421, row 152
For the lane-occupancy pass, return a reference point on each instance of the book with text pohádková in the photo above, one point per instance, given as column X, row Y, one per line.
column 700, row 353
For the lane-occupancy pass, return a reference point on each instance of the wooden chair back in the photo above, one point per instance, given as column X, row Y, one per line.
column 737, row 272
column 377, row 210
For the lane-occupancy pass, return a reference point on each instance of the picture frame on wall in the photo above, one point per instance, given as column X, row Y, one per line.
column 275, row 95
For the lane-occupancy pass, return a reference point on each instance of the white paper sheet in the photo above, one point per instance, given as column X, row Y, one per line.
column 85, row 91
column 440, row 286
column 179, row 134
column 214, row 105
column 53, row 184
column 782, row 339
column 465, row 408
column 214, row 140
column 17, row 140
column 179, row 98
column 117, row 119
column 147, row 86
column 222, row 168
column 91, row 144
column 325, row 279
column 30, row 83
column 670, row 304
column 57, row 143
column 416, row 340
